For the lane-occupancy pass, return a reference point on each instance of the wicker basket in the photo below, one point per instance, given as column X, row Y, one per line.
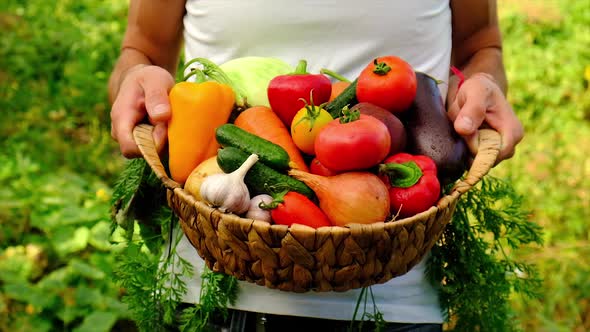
column 300, row 258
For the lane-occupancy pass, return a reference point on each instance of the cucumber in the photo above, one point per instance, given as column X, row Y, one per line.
column 271, row 154
column 347, row 97
column 260, row 179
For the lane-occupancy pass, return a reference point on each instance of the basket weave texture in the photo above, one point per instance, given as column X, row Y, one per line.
column 299, row 258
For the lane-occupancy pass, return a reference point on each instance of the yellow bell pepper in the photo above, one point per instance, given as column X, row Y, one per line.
column 197, row 110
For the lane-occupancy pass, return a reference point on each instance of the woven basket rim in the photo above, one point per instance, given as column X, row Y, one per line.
column 203, row 207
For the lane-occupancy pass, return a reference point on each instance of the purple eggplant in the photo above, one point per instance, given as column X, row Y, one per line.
column 431, row 133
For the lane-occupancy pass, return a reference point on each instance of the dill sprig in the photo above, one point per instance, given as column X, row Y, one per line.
column 153, row 287
column 124, row 189
column 135, row 272
column 471, row 264
column 375, row 318
column 138, row 195
column 151, row 273
column 217, row 291
column 150, row 277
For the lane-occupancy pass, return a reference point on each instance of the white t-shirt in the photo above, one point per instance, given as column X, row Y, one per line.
column 341, row 35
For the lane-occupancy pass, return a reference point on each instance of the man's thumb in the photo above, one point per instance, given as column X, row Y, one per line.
column 155, row 91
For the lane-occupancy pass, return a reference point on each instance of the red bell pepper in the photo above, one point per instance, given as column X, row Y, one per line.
column 289, row 93
column 412, row 183
column 291, row 207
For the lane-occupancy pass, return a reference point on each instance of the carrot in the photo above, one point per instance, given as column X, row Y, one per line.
column 339, row 85
column 263, row 122
column 337, row 88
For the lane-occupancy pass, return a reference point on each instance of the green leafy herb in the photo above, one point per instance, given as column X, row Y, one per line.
column 217, row 291
column 154, row 288
column 375, row 318
column 471, row 265
column 138, row 195
column 151, row 278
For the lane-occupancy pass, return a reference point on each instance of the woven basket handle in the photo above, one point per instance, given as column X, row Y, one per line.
column 489, row 147
column 487, row 154
column 145, row 142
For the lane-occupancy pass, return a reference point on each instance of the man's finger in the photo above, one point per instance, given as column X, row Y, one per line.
column 507, row 124
column 124, row 130
column 453, row 110
column 471, row 115
column 512, row 134
column 160, row 135
column 472, row 142
column 156, row 85
column 125, row 114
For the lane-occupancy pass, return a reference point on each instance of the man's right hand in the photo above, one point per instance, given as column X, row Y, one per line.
column 143, row 91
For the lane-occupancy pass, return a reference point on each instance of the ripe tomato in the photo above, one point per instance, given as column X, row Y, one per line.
column 315, row 167
column 389, row 82
column 306, row 125
column 359, row 144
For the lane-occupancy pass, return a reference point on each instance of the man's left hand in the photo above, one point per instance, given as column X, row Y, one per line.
column 479, row 100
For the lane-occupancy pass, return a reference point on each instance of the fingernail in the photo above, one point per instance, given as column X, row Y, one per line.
column 160, row 109
column 465, row 123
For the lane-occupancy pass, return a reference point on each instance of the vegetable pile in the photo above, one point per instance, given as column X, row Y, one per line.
column 320, row 149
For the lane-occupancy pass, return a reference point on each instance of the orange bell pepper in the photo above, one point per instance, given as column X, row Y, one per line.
column 197, row 110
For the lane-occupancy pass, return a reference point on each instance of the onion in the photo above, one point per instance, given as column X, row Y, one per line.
column 255, row 211
column 349, row 198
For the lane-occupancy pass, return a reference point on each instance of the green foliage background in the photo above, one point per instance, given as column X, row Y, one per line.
column 58, row 163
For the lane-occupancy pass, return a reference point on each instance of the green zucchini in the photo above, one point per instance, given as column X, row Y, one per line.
column 269, row 153
column 260, row 179
column 346, row 97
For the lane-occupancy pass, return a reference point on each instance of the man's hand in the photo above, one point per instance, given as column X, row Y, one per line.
column 143, row 74
column 143, row 91
column 481, row 100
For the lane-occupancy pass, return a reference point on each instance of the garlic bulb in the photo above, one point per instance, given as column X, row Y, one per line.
column 255, row 211
column 228, row 192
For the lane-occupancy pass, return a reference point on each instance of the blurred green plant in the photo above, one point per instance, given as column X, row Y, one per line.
column 56, row 259
column 55, row 60
column 56, row 164
column 547, row 57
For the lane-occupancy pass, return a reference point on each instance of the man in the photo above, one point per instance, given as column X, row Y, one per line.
column 343, row 36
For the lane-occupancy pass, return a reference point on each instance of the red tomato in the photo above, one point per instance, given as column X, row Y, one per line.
column 389, row 82
column 354, row 145
column 296, row 208
column 315, row 167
